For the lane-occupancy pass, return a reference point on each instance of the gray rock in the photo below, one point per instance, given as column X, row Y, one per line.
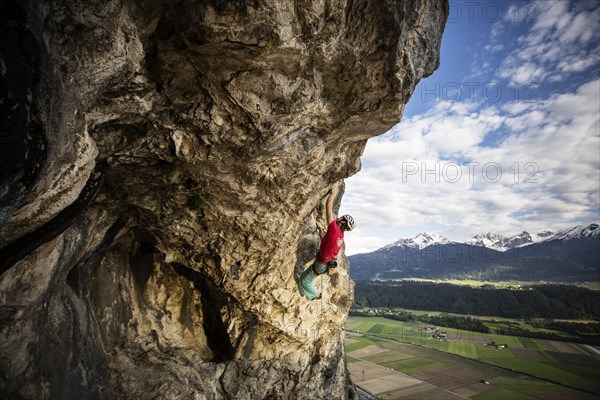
column 163, row 171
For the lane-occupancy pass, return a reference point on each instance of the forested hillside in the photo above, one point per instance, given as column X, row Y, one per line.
column 542, row 301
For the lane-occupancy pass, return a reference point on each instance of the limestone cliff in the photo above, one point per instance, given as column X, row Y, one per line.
column 163, row 166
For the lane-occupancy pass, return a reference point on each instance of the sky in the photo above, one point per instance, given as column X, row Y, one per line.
column 504, row 137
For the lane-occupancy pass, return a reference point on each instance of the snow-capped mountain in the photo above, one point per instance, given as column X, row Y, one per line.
column 420, row 241
column 577, row 232
column 500, row 242
column 540, row 237
column 569, row 255
column 487, row 240
column 503, row 243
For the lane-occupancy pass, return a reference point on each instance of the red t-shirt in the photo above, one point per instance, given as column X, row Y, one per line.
column 332, row 242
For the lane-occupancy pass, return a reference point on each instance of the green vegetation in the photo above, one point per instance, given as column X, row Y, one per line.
column 463, row 349
column 529, row 343
column 503, row 394
column 321, row 208
column 411, row 365
column 513, row 284
column 351, row 359
column 542, row 301
column 567, row 363
column 517, row 388
column 473, row 282
column 386, row 357
column 591, row 286
column 582, row 332
column 361, row 342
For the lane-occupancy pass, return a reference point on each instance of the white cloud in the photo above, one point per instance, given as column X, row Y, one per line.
column 548, row 149
column 358, row 242
column 550, row 15
column 549, row 165
column 522, row 72
column 581, row 27
column 578, row 64
column 494, row 48
column 578, row 106
column 563, row 38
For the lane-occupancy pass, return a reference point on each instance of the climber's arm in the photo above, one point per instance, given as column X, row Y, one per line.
column 329, row 208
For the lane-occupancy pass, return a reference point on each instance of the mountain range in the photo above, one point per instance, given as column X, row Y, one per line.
column 571, row 254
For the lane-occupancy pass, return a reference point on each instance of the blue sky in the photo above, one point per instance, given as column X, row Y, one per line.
column 503, row 137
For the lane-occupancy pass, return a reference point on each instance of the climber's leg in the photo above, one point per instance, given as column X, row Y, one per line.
column 306, row 280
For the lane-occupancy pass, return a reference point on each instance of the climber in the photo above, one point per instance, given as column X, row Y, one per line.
column 331, row 244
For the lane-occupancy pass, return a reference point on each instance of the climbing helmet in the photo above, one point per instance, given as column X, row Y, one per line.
column 349, row 221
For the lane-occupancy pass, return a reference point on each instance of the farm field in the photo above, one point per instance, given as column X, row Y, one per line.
column 493, row 322
column 496, row 284
column 561, row 366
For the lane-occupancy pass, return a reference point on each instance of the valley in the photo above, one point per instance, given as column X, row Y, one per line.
column 469, row 339
column 414, row 360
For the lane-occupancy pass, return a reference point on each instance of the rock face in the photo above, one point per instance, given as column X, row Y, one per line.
column 163, row 170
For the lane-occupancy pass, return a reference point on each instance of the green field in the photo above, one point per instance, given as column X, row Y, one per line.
column 495, row 324
column 566, row 363
column 530, row 343
column 411, row 365
column 513, row 388
column 496, row 284
column 360, row 343
column 475, row 283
